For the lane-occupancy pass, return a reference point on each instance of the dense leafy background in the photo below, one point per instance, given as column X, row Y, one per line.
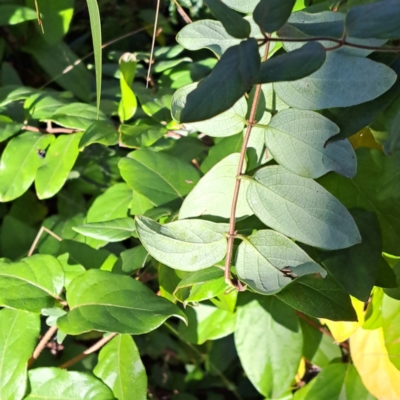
column 133, row 187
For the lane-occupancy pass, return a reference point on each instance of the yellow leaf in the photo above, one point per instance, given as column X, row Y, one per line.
column 370, row 357
column 301, row 371
column 342, row 330
column 364, row 138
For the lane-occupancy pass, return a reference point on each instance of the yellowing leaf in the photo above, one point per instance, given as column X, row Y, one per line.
column 301, row 371
column 364, row 138
column 370, row 357
column 342, row 330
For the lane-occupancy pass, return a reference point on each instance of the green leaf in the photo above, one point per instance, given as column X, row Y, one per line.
column 207, row 34
column 201, row 285
column 106, row 302
column 128, row 104
column 270, row 15
column 227, row 123
column 297, row 140
column 269, row 343
column 12, row 93
column 375, row 189
column 233, row 23
column 131, row 260
column 59, row 384
column 262, row 256
column 76, row 116
column 115, row 230
column 18, row 337
column 356, row 268
column 141, row 135
column 188, row 245
column 56, row 17
column 121, row 368
column 222, row 149
column 20, row 162
column 63, row 66
column 234, row 74
column 42, row 106
column 32, row 283
column 206, row 323
column 300, row 208
column 319, row 298
column 376, row 20
column 60, row 159
column 335, row 382
column 140, row 204
column 318, row 348
column 8, row 128
column 212, row 196
column 242, row 6
column 95, row 25
column 338, row 87
column 159, row 177
column 294, row 65
column 99, row 132
column 15, row 14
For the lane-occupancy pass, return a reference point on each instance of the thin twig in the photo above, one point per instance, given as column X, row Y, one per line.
column 153, row 43
column 320, row 328
column 90, row 350
column 182, row 12
column 37, row 238
column 226, row 381
column 232, row 220
column 340, row 42
column 49, row 130
column 42, row 344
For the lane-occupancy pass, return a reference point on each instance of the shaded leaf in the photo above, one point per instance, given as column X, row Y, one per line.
column 233, row 23
column 140, row 135
column 319, row 298
column 187, row 245
column 11, row 14
column 295, row 65
column 270, row 15
column 99, row 132
column 106, row 302
column 234, row 74
column 227, row 123
column 242, row 6
column 376, row 20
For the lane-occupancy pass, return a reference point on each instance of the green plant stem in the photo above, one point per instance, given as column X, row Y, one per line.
column 226, row 381
column 232, row 221
column 97, row 346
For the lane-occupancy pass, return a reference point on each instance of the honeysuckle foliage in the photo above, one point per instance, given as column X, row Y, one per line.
column 212, row 223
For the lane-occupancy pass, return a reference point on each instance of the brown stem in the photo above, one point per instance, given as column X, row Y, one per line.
column 320, row 328
column 42, row 344
column 153, row 42
column 49, row 129
column 38, row 236
column 340, row 42
column 90, row 350
column 232, row 220
column 182, row 12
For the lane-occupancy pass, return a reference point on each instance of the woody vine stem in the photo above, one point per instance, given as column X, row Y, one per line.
column 232, row 220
